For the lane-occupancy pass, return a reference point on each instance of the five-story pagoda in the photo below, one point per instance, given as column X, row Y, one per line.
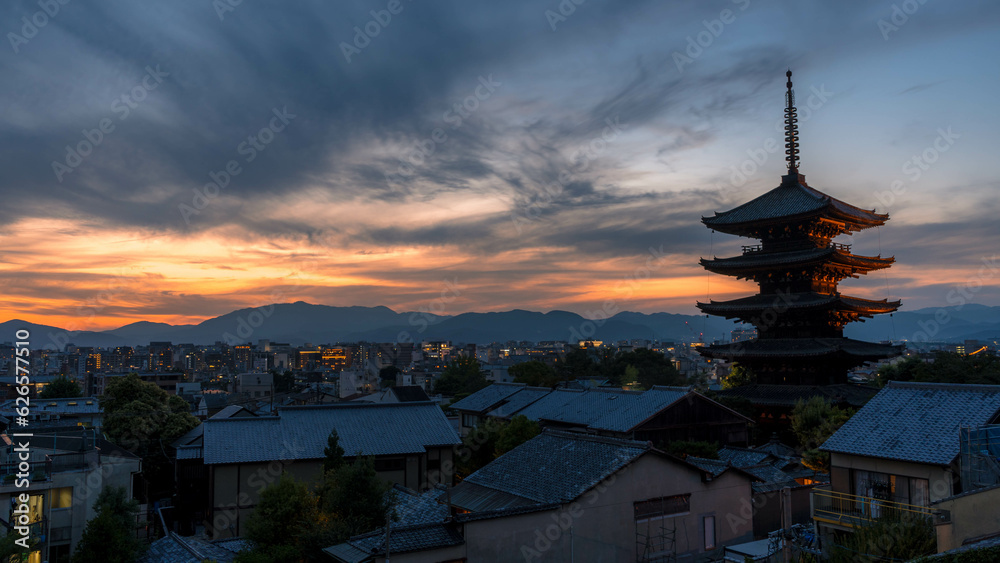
column 799, row 313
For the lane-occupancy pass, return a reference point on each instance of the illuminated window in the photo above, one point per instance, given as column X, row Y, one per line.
column 62, row 497
column 709, row 525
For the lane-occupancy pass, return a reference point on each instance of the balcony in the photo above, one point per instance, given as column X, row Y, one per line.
column 852, row 511
column 776, row 246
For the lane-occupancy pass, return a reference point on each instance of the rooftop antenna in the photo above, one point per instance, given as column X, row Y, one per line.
column 791, row 128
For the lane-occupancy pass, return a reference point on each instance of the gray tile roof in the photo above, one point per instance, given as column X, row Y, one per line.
column 302, row 432
column 419, row 508
column 488, row 397
column 177, row 549
column 714, row 466
column 916, row 422
column 401, row 540
column 604, row 409
column 518, row 401
column 554, row 467
column 788, row 200
column 743, row 457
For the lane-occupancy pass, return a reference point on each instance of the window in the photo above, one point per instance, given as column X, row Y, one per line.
column 469, row 420
column 62, row 497
column 660, row 507
column 708, row 523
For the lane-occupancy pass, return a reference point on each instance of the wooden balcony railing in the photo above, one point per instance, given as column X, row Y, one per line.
column 855, row 510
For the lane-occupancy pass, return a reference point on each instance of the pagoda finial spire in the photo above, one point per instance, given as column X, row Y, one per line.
column 791, row 128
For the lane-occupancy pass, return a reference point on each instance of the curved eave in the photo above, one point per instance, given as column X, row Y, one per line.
column 805, row 303
column 756, row 262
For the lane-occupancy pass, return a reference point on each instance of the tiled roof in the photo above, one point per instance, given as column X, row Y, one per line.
column 788, row 395
column 714, row 466
column 177, row 549
column 403, row 539
column 419, row 508
column 604, row 409
column 790, row 199
column 554, row 467
column 302, row 432
column 804, row 300
column 767, row 260
column 487, row 398
column 514, row 403
column 77, row 405
column 916, row 422
column 743, row 457
column 776, row 448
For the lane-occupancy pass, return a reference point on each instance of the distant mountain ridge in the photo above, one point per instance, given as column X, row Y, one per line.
column 300, row 323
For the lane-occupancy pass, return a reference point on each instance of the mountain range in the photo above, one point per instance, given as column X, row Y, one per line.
column 300, row 323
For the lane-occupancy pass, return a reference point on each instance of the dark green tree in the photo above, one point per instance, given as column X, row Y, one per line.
column 739, row 376
column 650, row 368
column 519, row 430
column 579, row 363
column 893, row 537
column 333, row 452
column 535, row 374
column 283, row 382
column 110, row 537
column 144, row 419
column 10, row 552
column 463, row 375
column 947, row 367
column 813, row 422
column 684, row 448
column 355, row 497
column 61, row 387
column 285, row 510
column 388, row 373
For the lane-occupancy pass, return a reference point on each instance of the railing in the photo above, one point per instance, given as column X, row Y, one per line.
column 796, row 245
column 37, row 471
column 856, row 510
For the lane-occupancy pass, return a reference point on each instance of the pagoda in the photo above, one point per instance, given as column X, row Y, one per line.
column 799, row 313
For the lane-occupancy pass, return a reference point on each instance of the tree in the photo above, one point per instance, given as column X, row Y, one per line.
column 61, row 387
column 684, row 448
column 388, row 373
column 356, row 497
column 10, row 552
column 579, row 364
column 333, row 452
column 285, row 509
column 813, row 422
column 648, row 367
column 144, row 419
column 895, row 536
column 535, row 374
column 738, row 376
column 947, row 367
column 463, row 375
column 519, row 430
column 283, row 382
column 110, row 536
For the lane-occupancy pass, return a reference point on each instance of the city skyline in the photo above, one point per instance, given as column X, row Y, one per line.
column 484, row 158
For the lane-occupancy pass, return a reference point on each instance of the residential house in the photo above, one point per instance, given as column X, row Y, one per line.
column 397, row 394
column 78, row 411
column 68, row 468
column 660, row 415
column 565, row 496
column 410, row 443
column 903, row 453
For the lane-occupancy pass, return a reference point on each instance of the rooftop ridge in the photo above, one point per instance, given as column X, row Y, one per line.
column 596, row 438
column 355, row 405
column 935, row 385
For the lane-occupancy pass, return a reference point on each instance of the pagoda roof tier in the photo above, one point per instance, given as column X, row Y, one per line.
column 792, row 201
column 805, row 302
column 769, row 261
column 790, row 348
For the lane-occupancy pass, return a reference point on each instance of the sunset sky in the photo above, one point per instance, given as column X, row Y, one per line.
column 532, row 158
